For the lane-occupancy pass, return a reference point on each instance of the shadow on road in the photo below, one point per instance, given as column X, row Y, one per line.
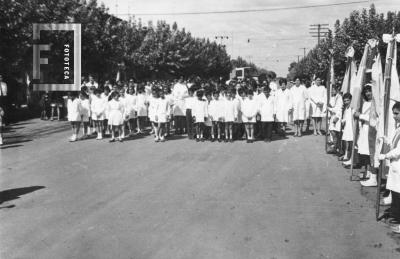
column 13, row 194
column 11, row 146
column 175, row 137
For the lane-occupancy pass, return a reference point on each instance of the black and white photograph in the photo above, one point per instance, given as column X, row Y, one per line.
column 187, row 129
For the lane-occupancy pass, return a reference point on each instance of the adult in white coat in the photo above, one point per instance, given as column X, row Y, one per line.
column 318, row 104
column 179, row 93
column 284, row 105
column 299, row 96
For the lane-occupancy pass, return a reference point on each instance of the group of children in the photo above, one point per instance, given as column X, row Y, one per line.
column 348, row 127
column 213, row 112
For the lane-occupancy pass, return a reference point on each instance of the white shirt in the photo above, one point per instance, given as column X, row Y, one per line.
column 98, row 105
column 249, row 107
column 215, row 109
column 85, row 107
column 199, row 110
column 190, row 102
column 3, row 89
column 267, row 108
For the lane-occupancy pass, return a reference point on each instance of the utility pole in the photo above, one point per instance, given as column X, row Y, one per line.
column 221, row 38
column 319, row 30
column 304, row 52
column 298, row 58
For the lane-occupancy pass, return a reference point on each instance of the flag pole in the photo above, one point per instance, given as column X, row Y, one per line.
column 329, row 81
column 386, row 103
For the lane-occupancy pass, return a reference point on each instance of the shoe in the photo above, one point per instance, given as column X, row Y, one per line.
column 197, row 140
column 371, row 182
column 219, row 140
column 348, row 162
column 156, row 139
column 367, row 175
column 395, row 229
column 162, row 139
column 112, row 140
column 202, row 139
column 73, row 138
column 120, row 139
column 1, row 141
column 248, row 141
column 385, row 201
column 212, row 139
column 226, row 140
column 394, row 221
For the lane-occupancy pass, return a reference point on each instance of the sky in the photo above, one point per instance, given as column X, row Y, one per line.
column 271, row 39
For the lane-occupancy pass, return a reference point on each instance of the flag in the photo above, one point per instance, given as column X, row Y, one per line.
column 379, row 96
column 376, row 112
column 351, row 71
column 356, row 85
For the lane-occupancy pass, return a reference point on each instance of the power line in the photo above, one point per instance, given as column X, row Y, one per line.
column 272, row 39
column 251, row 10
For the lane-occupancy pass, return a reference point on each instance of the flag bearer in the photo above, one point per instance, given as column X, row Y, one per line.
column 393, row 180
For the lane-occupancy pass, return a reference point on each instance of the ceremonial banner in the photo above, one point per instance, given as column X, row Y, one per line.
column 56, row 57
column 376, row 113
column 357, row 84
column 351, row 70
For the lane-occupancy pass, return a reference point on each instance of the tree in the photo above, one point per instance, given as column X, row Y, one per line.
column 354, row 30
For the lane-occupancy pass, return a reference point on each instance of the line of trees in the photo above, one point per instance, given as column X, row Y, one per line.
column 108, row 43
column 356, row 29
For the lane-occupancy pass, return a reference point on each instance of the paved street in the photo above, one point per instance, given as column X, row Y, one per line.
column 180, row 199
